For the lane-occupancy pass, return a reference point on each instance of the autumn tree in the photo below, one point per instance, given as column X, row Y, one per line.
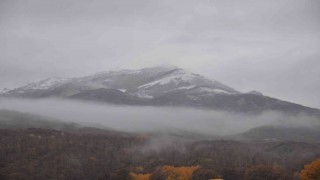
column 173, row 173
column 140, row 176
column 311, row 171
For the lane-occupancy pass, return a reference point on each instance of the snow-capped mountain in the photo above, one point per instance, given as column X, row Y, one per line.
column 148, row 82
column 163, row 85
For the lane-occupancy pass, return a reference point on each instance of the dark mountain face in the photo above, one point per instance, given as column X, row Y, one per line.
column 240, row 102
column 282, row 133
column 18, row 120
column 113, row 96
column 157, row 86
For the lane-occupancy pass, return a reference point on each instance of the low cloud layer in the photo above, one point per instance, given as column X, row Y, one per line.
column 152, row 119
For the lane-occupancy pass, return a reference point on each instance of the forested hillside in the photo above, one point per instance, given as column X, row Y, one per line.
column 55, row 154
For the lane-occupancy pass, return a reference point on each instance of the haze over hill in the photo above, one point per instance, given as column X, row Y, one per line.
column 164, row 100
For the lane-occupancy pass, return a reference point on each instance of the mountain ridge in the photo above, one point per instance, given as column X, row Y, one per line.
column 142, row 80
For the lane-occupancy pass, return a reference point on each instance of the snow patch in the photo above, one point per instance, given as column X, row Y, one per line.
column 143, row 95
column 186, row 87
column 46, row 84
column 175, row 77
column 209, row 90
column 42, row 85
column 122, row 90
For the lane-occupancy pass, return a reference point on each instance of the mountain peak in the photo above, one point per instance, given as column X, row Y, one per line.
column 166, row 66
column 255, row 92
column 160, row 68
column 149, row 82
column 135, row 71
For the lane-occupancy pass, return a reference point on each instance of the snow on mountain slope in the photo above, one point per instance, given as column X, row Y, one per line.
column 109, row 75
column 128, row 80
column 177, row 77
column 40, row 85
column 206, row 90
column 147, row 83
column 180, row 79
column 46, row 84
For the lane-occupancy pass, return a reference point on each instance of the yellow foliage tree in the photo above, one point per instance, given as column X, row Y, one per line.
column 311, row 171
column 140, row 176
column 174, row 173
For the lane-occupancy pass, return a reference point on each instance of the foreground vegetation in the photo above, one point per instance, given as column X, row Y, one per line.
column 94, row 154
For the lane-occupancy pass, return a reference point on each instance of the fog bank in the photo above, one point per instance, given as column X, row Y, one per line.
column 152, row 119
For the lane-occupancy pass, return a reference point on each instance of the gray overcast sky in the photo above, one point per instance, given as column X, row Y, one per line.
column 268, row 45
